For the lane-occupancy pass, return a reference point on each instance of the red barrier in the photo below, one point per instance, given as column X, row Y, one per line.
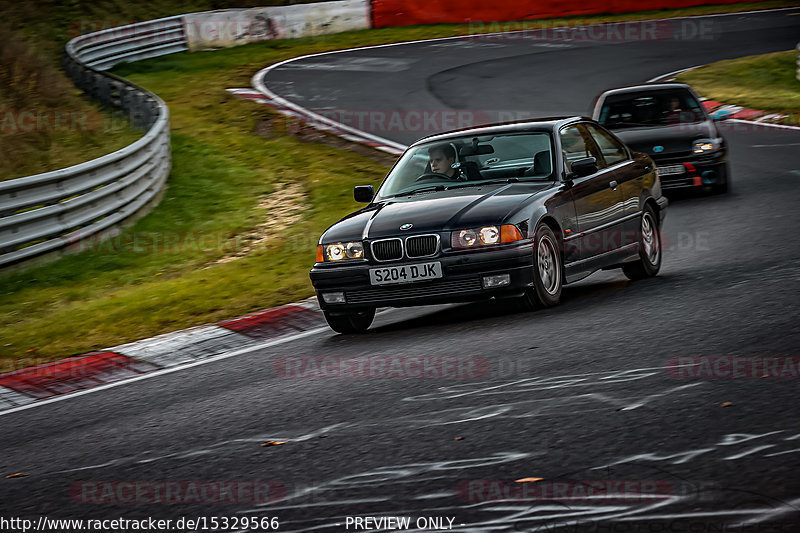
column 407, row 12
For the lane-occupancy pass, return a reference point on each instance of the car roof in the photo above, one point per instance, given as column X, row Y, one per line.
column 534, row 124
column 644, row 87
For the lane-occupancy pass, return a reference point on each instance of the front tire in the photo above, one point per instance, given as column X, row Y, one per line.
column 649, row 262
column 548, row 271
column 724, row 187
column 350, row 322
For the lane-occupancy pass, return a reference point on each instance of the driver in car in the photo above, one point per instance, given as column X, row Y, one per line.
column 442, row 157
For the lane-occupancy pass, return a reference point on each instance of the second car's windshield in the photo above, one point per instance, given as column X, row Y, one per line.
column 650, row 108
column 471, row 160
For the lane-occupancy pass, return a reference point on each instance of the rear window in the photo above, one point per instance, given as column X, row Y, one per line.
column 662, row 107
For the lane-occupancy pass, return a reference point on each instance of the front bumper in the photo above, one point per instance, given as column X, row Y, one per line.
column 709, row 169
column 462, row 279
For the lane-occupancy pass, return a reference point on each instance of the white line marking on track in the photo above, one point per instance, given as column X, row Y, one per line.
column 748, row 452
column 767, row 124
column 787, row 508
column 773, row 145
column 794, row 450
column 672, row 74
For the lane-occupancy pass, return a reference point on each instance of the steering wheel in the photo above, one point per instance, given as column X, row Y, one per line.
column 435, row 175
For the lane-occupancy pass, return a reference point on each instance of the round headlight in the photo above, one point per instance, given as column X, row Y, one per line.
column 490, row 235
column 355, row 250
column 468, row 237
column 336, row 252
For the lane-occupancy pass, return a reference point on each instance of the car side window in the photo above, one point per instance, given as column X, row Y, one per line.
column 573, row 146
column 613, row 151
column 577, row 144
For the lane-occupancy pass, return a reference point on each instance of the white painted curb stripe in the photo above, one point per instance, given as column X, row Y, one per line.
column 183, row 346
column 10, row 398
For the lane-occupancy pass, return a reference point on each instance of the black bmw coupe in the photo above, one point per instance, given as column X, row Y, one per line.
column 512, row 210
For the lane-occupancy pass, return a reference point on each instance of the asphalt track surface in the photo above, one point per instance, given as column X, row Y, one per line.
column 577, row 394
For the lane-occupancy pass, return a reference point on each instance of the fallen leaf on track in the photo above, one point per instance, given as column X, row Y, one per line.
column 274, row 442
column 725, row 404
column 18, row 474
column 528, row 479
column 459, row 438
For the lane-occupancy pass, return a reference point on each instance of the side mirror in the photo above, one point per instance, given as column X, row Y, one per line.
column 584, row 167
column 364, row 193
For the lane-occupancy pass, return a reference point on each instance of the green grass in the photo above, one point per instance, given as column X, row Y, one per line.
column 44, row 123
column 767, row 82
column 222, row 170
column 31, row 81
column 24, row 153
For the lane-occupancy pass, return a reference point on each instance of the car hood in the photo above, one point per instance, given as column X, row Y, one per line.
column 677, row 139
column 435, row 211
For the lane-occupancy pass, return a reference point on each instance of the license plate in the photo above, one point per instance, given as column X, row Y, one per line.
column 671, row 169
column 405, row 273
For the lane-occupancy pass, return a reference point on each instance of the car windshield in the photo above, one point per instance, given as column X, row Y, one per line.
column 469, row 161
column 663, row 107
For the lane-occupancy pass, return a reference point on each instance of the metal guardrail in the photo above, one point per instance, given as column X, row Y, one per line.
column 798, row 61
column 47, row 212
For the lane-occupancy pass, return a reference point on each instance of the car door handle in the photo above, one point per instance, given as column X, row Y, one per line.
column 613, row 184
